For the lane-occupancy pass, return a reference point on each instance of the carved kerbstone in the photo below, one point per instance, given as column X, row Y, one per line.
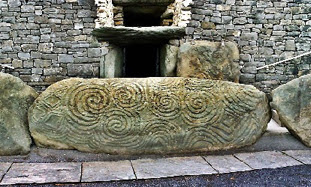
column 292, row 101
column 15, row 99
column 148, row 115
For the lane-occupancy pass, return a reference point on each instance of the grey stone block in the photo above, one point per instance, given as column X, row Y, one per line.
column 170, row 167
column 17, row 63
column 303, row 156
column 267, row 159
column 45, row 47
column 24, row 56
column 94, row 52
column 53, row 71
column 227, row 164
column 85, row 13
column 249, row 36
column 107, row 171
column 14, row 3
column 82, row 70
column 241, row 20
column 65, row 58
column 29, row 173
column 290, row 45
column 42, row 63
column 27, row 8
column 3, row 168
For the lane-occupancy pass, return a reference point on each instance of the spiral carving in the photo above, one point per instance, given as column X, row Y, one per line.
column 199, row 109
column 153, row 115
column 120, row 127
column 86, row 103
column 129, row 95
column 161, row 133
column 165, row 104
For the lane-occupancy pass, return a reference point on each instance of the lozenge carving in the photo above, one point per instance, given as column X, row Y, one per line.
column 148, row 115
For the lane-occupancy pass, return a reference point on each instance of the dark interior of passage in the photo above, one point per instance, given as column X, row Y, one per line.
column 143, row 16
column 141, row 61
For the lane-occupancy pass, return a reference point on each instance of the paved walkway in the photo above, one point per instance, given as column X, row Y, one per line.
column 75, row 172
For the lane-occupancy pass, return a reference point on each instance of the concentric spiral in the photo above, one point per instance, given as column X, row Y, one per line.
column 165, row 104
column 199, row 109
column 86, row 103
column 120, row 128
column 129, row 95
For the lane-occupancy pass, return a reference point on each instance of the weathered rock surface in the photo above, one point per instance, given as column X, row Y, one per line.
column 292, row 101
column 138, row 35
column 148, row 115
column 15, row 99
column 210, row 60
column 168, row 60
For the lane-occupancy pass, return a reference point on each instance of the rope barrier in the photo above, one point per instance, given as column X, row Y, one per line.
column 282, row 61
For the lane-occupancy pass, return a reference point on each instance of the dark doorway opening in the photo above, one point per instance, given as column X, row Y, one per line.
column 141, row 61
column 143, row 16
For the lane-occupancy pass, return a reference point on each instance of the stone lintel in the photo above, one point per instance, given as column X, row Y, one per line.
column 138, row 35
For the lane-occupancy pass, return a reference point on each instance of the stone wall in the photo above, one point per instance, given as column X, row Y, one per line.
column 266, row 32
column 46, row 41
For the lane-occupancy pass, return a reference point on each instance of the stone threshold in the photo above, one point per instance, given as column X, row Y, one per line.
column 76, row 172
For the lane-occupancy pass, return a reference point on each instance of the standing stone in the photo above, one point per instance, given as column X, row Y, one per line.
column 15, row 99
column 211, row 60
column 168, row 60
column 292, row 101
column 148, row 115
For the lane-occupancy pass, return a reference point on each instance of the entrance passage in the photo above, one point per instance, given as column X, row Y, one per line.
column 143, row 16
column 141, row 61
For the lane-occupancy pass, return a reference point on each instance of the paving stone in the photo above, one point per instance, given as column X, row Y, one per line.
column 227, row 163
column 4, row 168
column 107, row 171
column 28, row 173
column 267, row 159
column 169, row 167
column 303, row 156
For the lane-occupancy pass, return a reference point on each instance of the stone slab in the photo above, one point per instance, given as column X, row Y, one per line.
column 15, row 100
column 148, row 115
column 170, row 167
column 168, row 60
column 4, row 168
column 267, row 159
column 138, row 35
column 209, row 60
column 227, row 164
column 303, row 156
column 39, row 173
column 107, row 171
column 292, row 101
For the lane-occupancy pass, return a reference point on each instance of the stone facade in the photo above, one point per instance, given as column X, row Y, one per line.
column 47, row 41
column 265, row 31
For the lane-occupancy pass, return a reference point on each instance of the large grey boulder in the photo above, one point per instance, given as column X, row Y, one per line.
column 15, row 99
column 210, row 60
column 148, row 115
column 292, row 101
